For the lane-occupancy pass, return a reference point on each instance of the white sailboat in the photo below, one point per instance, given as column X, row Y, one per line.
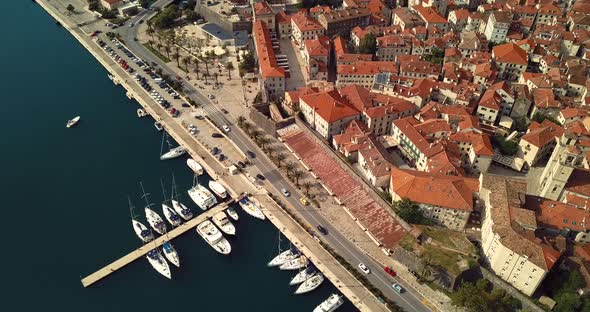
column 172, row 152
column 201, row 195
column 310, row 284
column 218, row 189
column 72, row 122
column 141, row 230
column 294, row 264
column 159, row 263
column 154, row 220
column 169, row 214
column 303, row 275
column 220, row 219
column 251, row 208
column 331, row 304
column 283, row 256
column 179, row 207
column 213, row 237
column 195, row 166
column 171, row 254
column 232, row 213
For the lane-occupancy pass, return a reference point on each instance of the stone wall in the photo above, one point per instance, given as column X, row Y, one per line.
column 348, row 168
column 259, row 115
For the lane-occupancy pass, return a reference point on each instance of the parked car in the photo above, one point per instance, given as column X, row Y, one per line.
column 214, row 150
column 221, row 157
column 260, row 177
column 223, row 110
column 241, row 164
column 186, row 105
column 397, row 288
column 216, row 135
column 322, row 230
column 304, row 201
column 226, row 128
column 285, row 192
column 250, row 154
column 390, row 271
column 364, row 268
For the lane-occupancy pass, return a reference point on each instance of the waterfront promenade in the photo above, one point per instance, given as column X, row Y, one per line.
column 141, row 251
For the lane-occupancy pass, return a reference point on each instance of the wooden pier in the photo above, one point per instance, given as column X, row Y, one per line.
column 141, row 251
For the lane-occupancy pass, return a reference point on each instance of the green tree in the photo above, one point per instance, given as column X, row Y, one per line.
column 436, row 57
column 70, row 8
column 165, row 19
column 567, row 302
column 248, row 63
column 409, row 211
column 306, row 185
column 280, row 157
column 191, row 16
column 144, row 4
column 197, row 63
column 229, row 66
column 289, row 167
column 241, row 121
column 186, row 61
column 297, row 174
column 368, row 44
column 506, row 147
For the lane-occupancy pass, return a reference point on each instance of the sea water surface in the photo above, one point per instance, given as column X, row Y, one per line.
column 64, row 193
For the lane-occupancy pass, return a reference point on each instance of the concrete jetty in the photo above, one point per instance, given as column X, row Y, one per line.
column 141, row 251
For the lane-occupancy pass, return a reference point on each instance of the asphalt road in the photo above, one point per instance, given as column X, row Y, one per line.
column 410, row 300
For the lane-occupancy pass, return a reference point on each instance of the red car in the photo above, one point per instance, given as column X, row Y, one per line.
column 390, row 271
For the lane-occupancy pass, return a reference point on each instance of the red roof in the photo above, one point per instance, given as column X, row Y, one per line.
column 510, row 53
column 429, row 15
column 557, row 215
column 265, row 52
column 541, row 134
column 305, row 23
column 330, row 106
column 261, row 8
column 480, row 142
column 367, row 68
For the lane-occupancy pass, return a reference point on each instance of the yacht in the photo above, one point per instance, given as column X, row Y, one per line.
column 195, row 166
column 171, row 216
column 72, row 122
column 294, row 264
column 142, row 231
column 182, row 210
column 330, row 304
column 220, row 219
column 159, row 263
column 284, row 257
column 303, row 275
column 155, row 221
column 213, row 237
column 171, row 254
column 218, row 189
column 111, row 77
column 231, row 212
column 141, row 113
column 202, row 197
column 251, row 208
column 173, row 153
column 310, row 284
column 158, row 126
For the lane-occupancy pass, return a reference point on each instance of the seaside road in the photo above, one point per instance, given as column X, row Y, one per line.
column 411, row 300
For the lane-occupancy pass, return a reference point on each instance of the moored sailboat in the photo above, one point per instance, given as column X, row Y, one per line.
column 159, row 263
column 201, row 195
column 169, row 214
column 251, row 208
column 140, row 230
column 294, row 264
column 179, row 207
column 154, row 220
column 310, row 284
column 303, row 275
column 172, row 152
column 171, row 254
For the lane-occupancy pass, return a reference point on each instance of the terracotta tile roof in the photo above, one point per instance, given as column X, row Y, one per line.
column 330, row 106
column 353, row 58
column 265, row 52
column 544, row 98
column 579, row 182
column 510, row 53
column 480, row 142
column 367, row 68
column 283, row 18
column 305, row 23
column 433, row 126
column 571, row 112
column 376, row 162
column 442, row 190
column 320, row 9
column 318, row 47
column 339, row 46
column 461, row 14
column 422, row 67
column 354, row 137
column 540, row 135
column 262, row 8
column 429, row 15
column 557, row 215
column 512, row 223
column 549, row 9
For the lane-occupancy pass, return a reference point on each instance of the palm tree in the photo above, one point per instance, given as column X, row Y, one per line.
column 159, row 46
column 150, row 32
column 150, row 43
column 307, row 186
column 280, row 157
column 263, row 142
column 167, row 49
column 270, row 150
column 255, row 134
column 247, row 126
column 206, row 60
column 206, row 75
column 150, row 24
column 215, row 75
column 241, row 120
column 186, row 60
column 290, row 167
column 229, row 66
column 297, row 174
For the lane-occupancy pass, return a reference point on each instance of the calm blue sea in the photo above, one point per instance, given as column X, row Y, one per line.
column 64, row 193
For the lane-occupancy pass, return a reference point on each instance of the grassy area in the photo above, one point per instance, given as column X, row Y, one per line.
column 407, row 242
column 445, row 258
column 157, row 53
column 449, row 238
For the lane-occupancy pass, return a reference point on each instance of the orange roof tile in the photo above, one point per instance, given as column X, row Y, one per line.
column 429, row 15
column 330, row 106
column 262, row 8
column 510, row 53
column 557, row 215
column 265, row 52
column 542, row 134
column 480, row 142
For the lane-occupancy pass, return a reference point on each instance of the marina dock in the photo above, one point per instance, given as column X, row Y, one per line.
column 141, row 251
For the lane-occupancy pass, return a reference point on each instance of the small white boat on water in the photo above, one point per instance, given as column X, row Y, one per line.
column 213, row 237
column 220, row 219
column 142, row 231
column 155, row 221
column 232, row 213
column 173, row 153
column 331, row 304
column 195, row 166
column 294, row 264
column 303, row 275
column 171, row 254
column 179, row 207
column 159, row 263
column 310, row 284
column 171, row 216
column 218, row 189
column 284, row 257
column 251, row 208
column 141, row 113
column 72, row 122
column 158, row 126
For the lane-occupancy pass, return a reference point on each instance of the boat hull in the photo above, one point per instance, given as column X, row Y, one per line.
column 250, row 208
column 195, row 166
column 173, row 153
column 171, row 216
column 294, row 264
column 232, row 214
column 218, row 189
column 140, row 229
column 171, row 254
column 182, row 210
column 281, row 258
column 155, row 221
column 159, row 264
column 310, row 284
column 329, row 305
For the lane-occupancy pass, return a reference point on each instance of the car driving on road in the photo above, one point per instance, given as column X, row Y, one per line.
column 364, row 268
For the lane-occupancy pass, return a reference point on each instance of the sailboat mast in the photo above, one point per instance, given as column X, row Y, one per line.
column 163, row 190
column 130, row 208
column 145, row 196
